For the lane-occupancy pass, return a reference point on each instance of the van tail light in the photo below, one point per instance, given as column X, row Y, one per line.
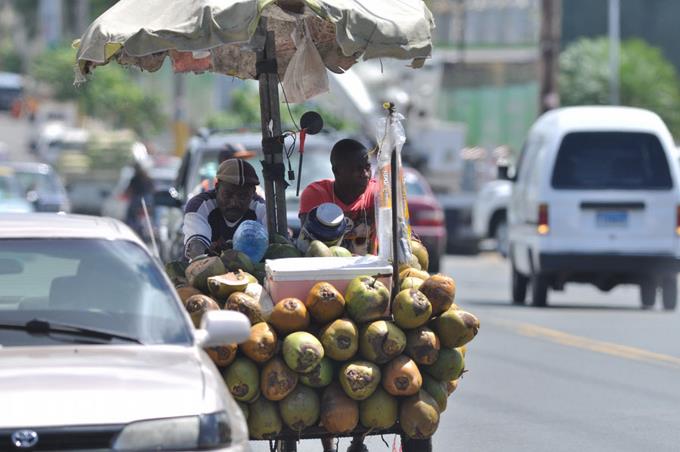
column 677, row 220
column 543, row 227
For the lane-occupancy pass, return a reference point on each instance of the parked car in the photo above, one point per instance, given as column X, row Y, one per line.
column 41, row 186
column 11, row 197
column 596, row 199
column 97, row 351
column 489, row 214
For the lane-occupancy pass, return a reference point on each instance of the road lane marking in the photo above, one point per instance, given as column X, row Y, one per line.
column 608, row 348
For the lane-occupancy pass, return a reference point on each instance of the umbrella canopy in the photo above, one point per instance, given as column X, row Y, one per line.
column 220, row 35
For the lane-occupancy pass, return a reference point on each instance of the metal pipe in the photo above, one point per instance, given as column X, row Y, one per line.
column 614, row 51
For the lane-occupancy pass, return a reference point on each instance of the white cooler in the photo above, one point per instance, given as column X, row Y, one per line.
column 294, row 277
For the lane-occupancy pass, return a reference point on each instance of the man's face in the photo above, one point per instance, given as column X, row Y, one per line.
column 354, row 171
column 234, row 200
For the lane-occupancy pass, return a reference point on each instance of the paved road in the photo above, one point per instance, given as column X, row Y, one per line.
column 590, row 373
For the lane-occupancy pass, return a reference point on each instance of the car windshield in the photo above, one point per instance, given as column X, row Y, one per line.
column 40, row 182
column 8, row 189
column 611, row 160
column 413, row 185
column 105, row 285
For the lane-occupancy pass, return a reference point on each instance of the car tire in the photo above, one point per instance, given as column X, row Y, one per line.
column 435, row 263
column 500, row 234
column 648, row 293
column 669, row 292
column 539, row 290
column 519, row 286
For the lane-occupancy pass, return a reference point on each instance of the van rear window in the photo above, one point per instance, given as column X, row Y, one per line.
column 611, row 160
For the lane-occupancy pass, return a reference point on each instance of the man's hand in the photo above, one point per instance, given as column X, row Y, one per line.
column 217, row 247
column 196, row 248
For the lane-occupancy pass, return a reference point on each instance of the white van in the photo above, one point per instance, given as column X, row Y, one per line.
column 596, row 199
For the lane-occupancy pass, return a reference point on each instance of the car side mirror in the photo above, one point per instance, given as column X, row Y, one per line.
column 503, row 172
column 167, row 198
column 224, row 327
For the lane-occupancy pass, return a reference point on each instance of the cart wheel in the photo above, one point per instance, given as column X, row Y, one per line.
column 286, row 445
column 415, row 445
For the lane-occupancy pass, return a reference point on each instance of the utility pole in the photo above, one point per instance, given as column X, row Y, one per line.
column 180, row 126
column 549, row 47
column 614, row 50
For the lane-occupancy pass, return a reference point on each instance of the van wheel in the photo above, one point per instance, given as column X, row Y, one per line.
column 669, row 292
column 648, row 293
column 519, row 286
column 539, row 290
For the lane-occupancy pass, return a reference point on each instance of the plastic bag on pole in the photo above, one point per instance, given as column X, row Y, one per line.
column 305, row 75
column 391, row 138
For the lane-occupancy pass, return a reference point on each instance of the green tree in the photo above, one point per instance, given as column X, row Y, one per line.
column 647, row 79
column 111, row 94
column 244, row 111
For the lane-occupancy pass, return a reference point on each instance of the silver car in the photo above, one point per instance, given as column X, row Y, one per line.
column 96, row 350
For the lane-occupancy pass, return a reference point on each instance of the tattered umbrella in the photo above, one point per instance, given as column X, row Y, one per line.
column 256, row 39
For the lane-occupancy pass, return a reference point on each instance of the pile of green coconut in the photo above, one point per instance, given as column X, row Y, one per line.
column 337, row 360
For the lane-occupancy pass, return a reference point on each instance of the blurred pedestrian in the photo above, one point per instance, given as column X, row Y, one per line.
column 140, row 188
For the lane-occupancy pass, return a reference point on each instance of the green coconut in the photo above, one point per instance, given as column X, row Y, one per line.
column 455, row 328
column 234, row 260
column 302, row 351
column 338, row 251
column 301, row 408
column 242, row 379
column 318, row 249
column 321, row 375
column 366, row 299
column 176, row 271
column 379, row 411
column 411, row 309
column 264, row 421
column 281, row 251
column 449, row 365
column 359, row 379
column 437, row 390
column 380, row 341
column 221, row 286
column 340, row 339
column 419, row 416
column 198, row 271
column 411, row 282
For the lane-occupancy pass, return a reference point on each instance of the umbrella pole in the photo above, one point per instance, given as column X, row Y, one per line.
column 272, row 145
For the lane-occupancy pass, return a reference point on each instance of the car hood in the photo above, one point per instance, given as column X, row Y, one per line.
column 56, row 386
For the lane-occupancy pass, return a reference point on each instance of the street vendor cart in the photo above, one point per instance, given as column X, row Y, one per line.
column 290, row 44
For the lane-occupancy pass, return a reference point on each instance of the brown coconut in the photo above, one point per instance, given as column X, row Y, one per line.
column 197, row 305
column 441, row 291
column 325, row 303
column 222, row 355
column 289, row 315
column 185, row 292
column 339, row 413
column 422, row 345
column 401, row 377
column 262, row 343
column 277, row 380
column 247, row 305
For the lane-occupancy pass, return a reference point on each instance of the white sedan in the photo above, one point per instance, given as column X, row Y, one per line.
column 97, row 351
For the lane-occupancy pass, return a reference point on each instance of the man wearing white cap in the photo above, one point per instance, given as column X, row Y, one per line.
column 211, row 218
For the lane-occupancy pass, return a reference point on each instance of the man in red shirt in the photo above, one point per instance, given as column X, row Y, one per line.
column 352, row 190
